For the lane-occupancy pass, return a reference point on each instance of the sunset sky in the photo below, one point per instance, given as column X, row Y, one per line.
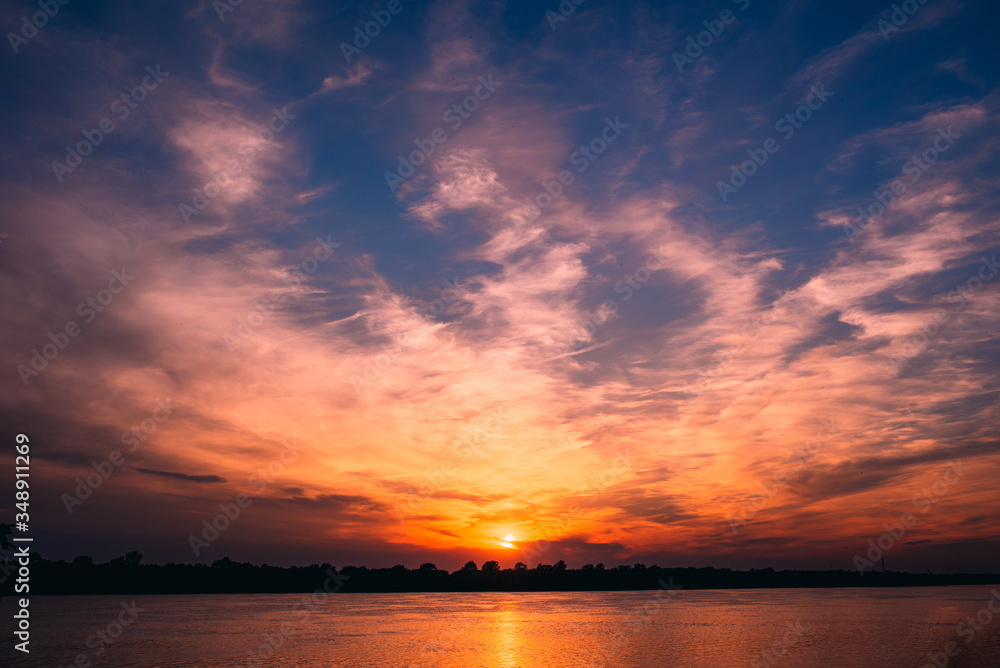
column 676, row 355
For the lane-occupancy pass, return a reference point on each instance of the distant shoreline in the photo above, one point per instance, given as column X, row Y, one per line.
column 128, row 576
column 512, row 591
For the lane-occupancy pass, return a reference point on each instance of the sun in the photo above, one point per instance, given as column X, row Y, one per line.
column 508, row 541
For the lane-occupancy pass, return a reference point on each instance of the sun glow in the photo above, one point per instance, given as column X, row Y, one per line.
column 508, row 541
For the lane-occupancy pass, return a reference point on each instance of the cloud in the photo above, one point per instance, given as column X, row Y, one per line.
column 183, row 476
column 336, row 502
column 356, row 75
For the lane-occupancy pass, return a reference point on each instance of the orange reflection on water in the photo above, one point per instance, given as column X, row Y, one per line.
column 508, row 636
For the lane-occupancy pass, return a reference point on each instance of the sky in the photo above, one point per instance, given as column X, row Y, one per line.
column 687, row 284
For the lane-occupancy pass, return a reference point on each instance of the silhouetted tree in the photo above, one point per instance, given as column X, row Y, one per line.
column 428, row 567
column 82, row 576
column 560, row 565
column 133, row 559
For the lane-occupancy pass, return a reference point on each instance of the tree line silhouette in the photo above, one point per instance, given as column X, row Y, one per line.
column 128, row 575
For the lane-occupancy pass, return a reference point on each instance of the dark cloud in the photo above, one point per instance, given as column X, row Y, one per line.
column 855, row 476
column 183, row 476
column 335, row 502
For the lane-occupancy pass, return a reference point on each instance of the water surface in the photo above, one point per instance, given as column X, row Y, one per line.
column 820, row 628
